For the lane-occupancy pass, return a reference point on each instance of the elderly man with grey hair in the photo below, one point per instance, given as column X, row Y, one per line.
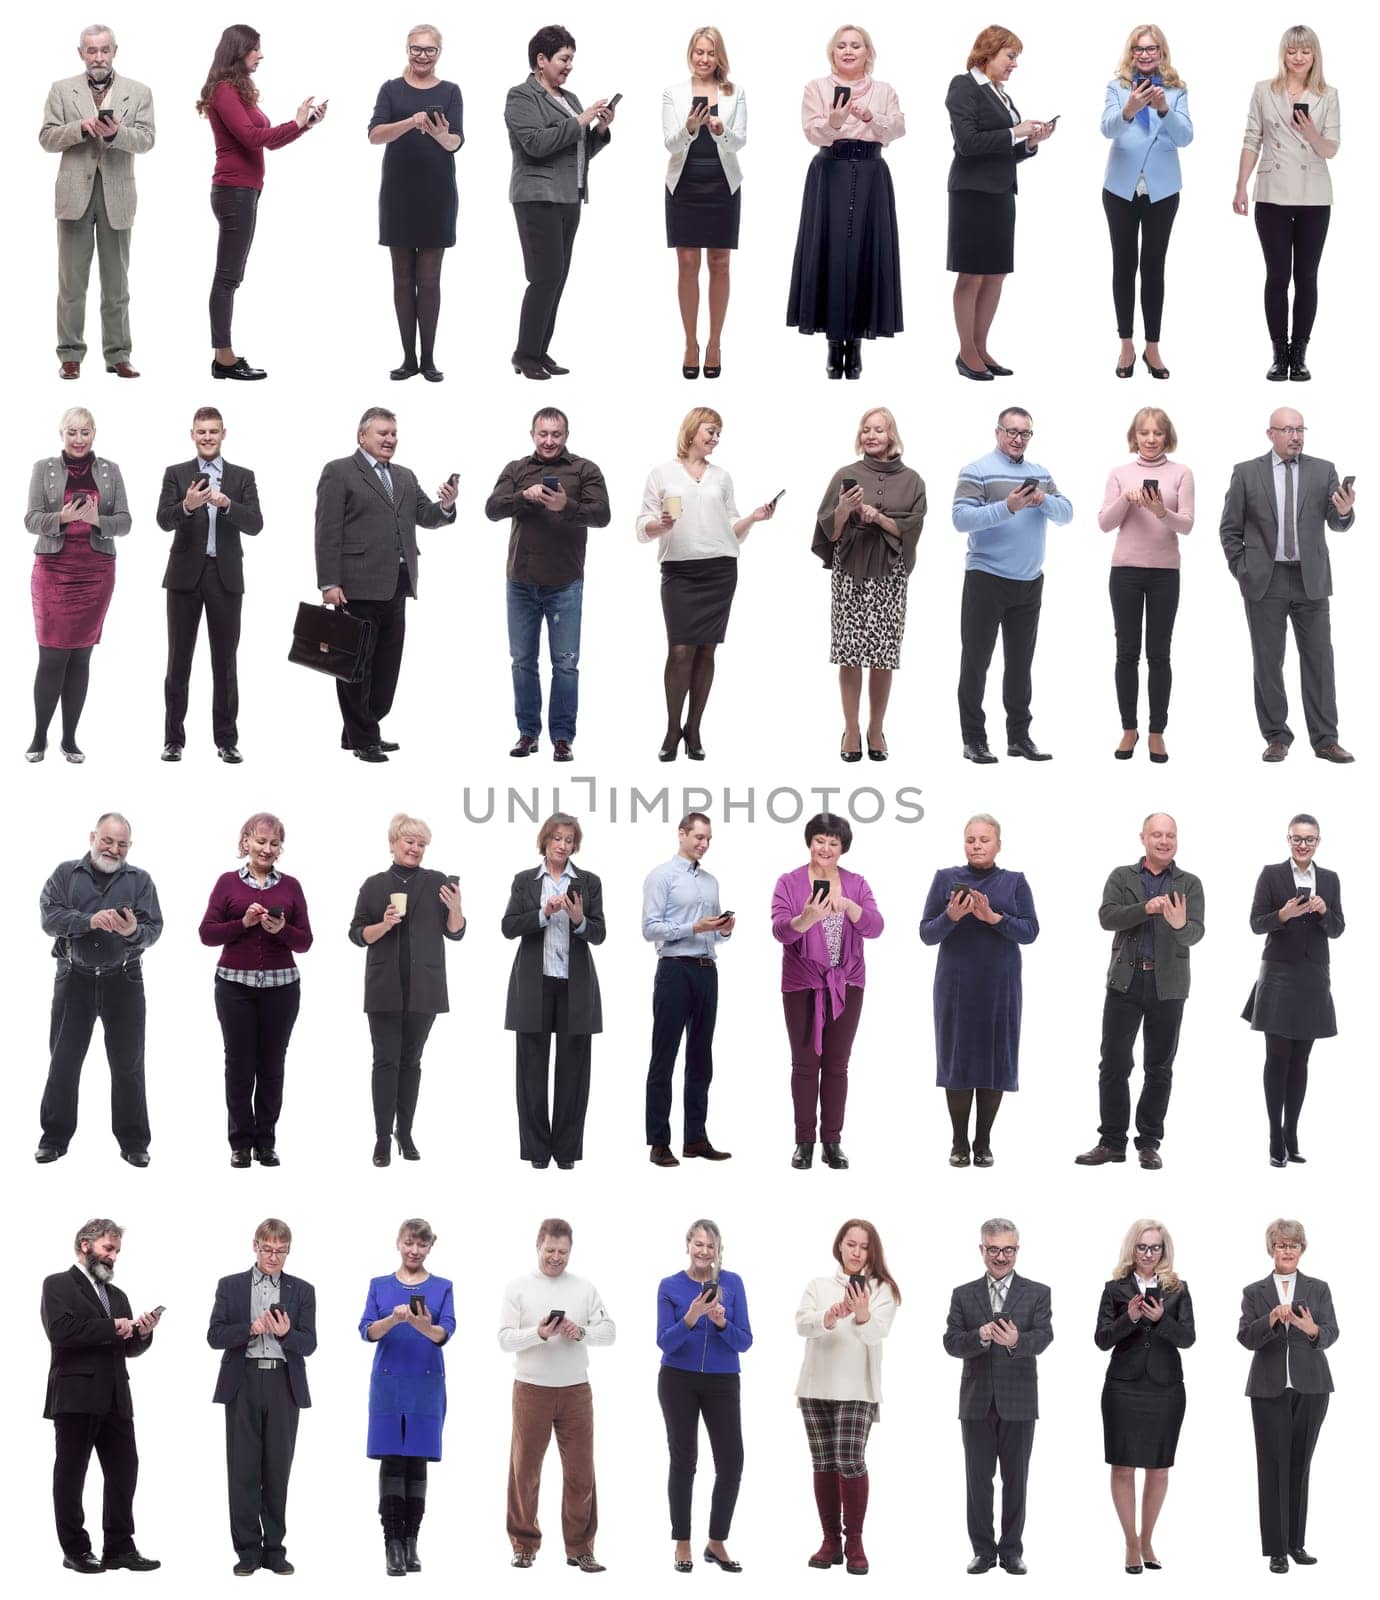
column 998, row 1325
column 102, row 914
column 97, row 121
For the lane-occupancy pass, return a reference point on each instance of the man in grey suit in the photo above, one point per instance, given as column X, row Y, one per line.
column 367, row 511
column 1273, row 531
column 998, row 1325
column 97, row 122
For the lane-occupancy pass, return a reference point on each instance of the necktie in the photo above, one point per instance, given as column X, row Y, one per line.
column 385, row 477
column 102, row 1296
column 1291, row 538
column 997, row 1294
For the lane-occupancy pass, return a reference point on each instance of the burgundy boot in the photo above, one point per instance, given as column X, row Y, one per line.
column 829, row 1502
column 854, row 1513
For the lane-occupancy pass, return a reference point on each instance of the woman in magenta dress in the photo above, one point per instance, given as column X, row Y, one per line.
column 77, row 509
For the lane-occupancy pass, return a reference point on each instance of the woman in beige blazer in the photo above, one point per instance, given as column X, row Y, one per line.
column 1293, row 130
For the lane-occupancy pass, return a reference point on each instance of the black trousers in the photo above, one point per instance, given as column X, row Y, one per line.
column 1150, row 594
column 686, row 1397
column 991, row 605
column 1286, row 601
column 1286, row 1085
column 1140, row 233
column 236, row 211
column 1122, row 1017
column 399, row 1037
column 117, row 998
column 365, row 704
column 260, row 1437
column 685, row 1000
column 223, row 629
column 559, row 1132
column 988, row 1445
column 546, row 232
column 256, row 1025
column 112, row 1438
column 1286, row 1433
column 1292, row 239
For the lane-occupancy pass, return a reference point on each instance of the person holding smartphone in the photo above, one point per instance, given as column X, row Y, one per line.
column 1293, row 129
column 77, row 509
column 408, row 1315
column 1298, row 907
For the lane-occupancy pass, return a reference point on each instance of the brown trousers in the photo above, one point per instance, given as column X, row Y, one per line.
column 537, row 1411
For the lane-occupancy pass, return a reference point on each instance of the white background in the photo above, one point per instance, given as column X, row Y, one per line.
column 316, row 311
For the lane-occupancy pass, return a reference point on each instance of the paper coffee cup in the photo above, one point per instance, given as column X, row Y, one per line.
column 671, row 504
column 398, row 903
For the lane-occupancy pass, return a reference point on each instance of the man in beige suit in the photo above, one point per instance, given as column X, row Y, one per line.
column 97, row 122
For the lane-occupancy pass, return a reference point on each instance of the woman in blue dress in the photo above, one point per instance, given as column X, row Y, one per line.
column 408, row 1315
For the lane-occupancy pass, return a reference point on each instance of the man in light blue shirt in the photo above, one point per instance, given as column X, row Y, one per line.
column 681, row 915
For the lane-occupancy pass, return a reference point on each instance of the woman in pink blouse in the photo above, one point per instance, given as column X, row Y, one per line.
column 229, row 102
column 1148, row 504
column 846, row 281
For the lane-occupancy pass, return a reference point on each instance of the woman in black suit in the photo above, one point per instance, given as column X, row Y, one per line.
column 1298, row 907
column 1145, row 1319
column 989, row 139
column 557, row 913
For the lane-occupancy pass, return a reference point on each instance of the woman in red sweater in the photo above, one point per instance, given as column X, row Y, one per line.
column 229, row 102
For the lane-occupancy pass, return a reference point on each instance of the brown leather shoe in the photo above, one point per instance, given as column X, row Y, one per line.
column 660, row 1156
column 586, row 1562
column 122, row 369
column 1334, row 752
column 1099, row 1156
column 562, row 751
column 70, row 369
column 1274, row 751
column 526, row 745
column 523, row 1558
column 705, row 1151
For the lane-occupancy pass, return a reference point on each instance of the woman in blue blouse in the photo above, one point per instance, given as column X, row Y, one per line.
column 702, row 1327
column 1146, row 118
column 409, row 1315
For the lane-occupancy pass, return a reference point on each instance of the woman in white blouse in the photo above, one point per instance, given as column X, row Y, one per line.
column 704, row 123
column 843, row 1319
column 688, row 506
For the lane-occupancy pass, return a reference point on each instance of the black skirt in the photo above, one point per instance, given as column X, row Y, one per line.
column 982, row 232
column 702, row 214
column 846, row 280
column 1141, row 1422
column 1292, row 999
column 696, row 597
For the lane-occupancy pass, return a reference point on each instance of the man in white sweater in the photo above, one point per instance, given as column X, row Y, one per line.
column 548, row 1320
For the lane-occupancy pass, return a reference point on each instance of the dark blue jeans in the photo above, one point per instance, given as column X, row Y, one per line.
column 559, row 605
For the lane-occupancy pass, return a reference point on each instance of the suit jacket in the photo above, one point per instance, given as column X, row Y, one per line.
column 1302, row 938
column 69, row 105
column 1122, row 914
column 86, row 1372
column 188, row 554
column 1307, row 1365
column 675, row 110
column 521, row 920
column 1289, row 173
column 1250, row 524
column 998, row 1376
column 984, row 156
column 47, row 488
column 229, row 1333
column 1152, row 150
column 543, row 141
column 359, row 530
column 424, row 928
column 1144, row 1349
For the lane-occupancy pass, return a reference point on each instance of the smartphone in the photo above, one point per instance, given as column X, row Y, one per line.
column 1050, row 121
column 1301, row 109
column 842, row 95
column 725, row 915
column 614, row 101
column 711, row 1291
column 159, row 1310
column 858, row 1282
column 124, row 910
column 845, row 484
column 819, row 889
column 454, row 480
column 1303, row 897
column 550, row 481
column 962, row 891
column 552, row 1318
column 277, row 911
column 435, row 112
column 1348, row 481
column 107, row 114
column 1150, row 485
column 454, row 880
column 700, row 103
column 416, row 1304
column 274, row 1307
column 1028, row 484
column 1138, row 78
column 203, row 482
column 317, row 112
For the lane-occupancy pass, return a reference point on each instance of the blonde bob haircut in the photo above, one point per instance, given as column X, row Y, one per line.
column 76, row 414
column 413, row 826
column 988, row 820
column 870, row 60
column 896, row 448
column 695, row 419
column 721, row 68
column 1298, row 34
column 989, row 42
column 1165, row 67
column 1171, row 438
column 1169, row 1279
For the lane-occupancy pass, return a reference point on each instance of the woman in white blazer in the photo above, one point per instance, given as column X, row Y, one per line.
column 1293, row 130
column 704, row 123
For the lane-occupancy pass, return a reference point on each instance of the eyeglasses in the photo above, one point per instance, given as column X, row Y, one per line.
column 1302, row 841
column 272, row 1249
column 1145, row 49
column 1291, row 433
column 1149, row 1249
column 999, row 1252
column 424, row 50
column 1021, row 434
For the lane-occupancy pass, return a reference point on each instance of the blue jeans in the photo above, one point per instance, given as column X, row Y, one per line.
column 528, row 604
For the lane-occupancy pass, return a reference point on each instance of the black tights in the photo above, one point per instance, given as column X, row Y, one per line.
column 961, row 1104
column 689, row 671
column 417, row 300
column 402, row 1495
column 1292, row 239
column 1286, row 1083
column 62, row 675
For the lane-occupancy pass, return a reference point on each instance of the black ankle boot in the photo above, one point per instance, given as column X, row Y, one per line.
column 1298, row 371
column 395, row 1557
column 833, row 364
column 410, row 1554
column 1279, row 369
column 852, row 359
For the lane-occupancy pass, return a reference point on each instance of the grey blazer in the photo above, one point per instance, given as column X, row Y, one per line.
column 543, row 141
column 522, row 921
column 359, row 531
column 998, row 1376
column 69, row 105
column 1250, row 523
column 1122, row 915
column 1284, row 1350
column 48, row 484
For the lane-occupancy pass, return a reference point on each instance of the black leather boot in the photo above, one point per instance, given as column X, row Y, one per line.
column 410, row 1556
column 852, row 359
column 1279, row 368
column 1298, row 370
column 834, row 1157
column 833, row 365
column 396, row 1558
column 804, row 1157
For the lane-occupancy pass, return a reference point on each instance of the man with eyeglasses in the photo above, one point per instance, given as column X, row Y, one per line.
column 998, row 1325
column 1003, row 502
column 102, row 914
column 1274, row 533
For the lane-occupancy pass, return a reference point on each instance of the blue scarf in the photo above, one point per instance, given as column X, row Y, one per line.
column 1142, row 117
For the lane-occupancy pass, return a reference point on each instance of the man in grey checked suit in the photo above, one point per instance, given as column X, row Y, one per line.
column 998, row 1325
column 97, row 122
column 1273, row 531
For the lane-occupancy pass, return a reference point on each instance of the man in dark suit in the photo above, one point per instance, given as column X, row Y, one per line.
column 93, row 1332
column 998, row 1325
column 1288, row 1321
column 206, row 504
column 367, row 511
column 264, row 1323
column 1273, row 531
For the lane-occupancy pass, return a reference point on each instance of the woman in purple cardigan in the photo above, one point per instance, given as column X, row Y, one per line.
column 259, row 916
column 821, row 914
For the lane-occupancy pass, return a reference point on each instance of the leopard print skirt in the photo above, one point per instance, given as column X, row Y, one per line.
column 867, row 619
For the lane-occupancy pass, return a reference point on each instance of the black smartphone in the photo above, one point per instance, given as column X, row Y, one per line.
column 107, row 114
column 1028, row 484
column 1347, row 482
column 416, row 1304
column 1138, row 78
column 274, row 1307
column 552, row 1318
column 771, row 504
column 317, row 112
column 710, row 1292
column 454, row 480
column 1301, row 109
column 550, row 481
column 700, row 103
column 158, row 1311
column 848, row 483
column 842, row 95
column 454, row 880
column 435, row 111
column 962, row 891
column 1303, row 897
column 277, row 911
column 725, row 915
column 858, row 1282
column 614, row 101
column 1050, row 121
column 203, row 482
column 124, row 910
column 819, row 889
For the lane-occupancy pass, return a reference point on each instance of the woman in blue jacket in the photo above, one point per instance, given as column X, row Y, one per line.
column 702, row 1327
column 409, row 1315
column 1146, row 118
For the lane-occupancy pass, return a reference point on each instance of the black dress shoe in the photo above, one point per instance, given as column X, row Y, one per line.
column 566, row 1166
column 1153, row 1566
column 683, row 1566
column 804, row 1157
column 541, row 1166
column 661, row 1155
column 528, row 368
column 981, row 1564
column 373, row 754
column 561, row 750
column 668, row 751
column 240, row 1158
column 46, row 1153
column 833, row 360
column 240, row 371
column 246, row 1566
column 383, row 1151
column 1293, row 1155
column 267, row 1156
column 130, row 1561
column 85, row 1562
column 714, row 371
column 852, row 358
column 1138, row 1568
column 978, row 751
column 410, row 1555
column 705, row 1151
column 982, row 376
column 171, row 752
column 983, row 1158
column 873, row 754
column 1150, row 1160
column 136, row 1158
column 409, row 369
column 1155, row 372
column 389, row 746
column 1278, row 1161
column 833, row 1156
column 1099, row 1156
column 1125, row 755
column 998, row 372
column 1125, row 372
column 395, row 1558
column 849, row 755
column 694, row 750
column 278, row 1564
column 526, row 746
column 719, row 1561
column 1301, row 1558
column 229, row 755
column 1014, row 1565
column 433, row 375
column 687, row 371
column 959, row 1158
column 553, row 367
column 1279, row 1563
column 406, row 1148
column 1026, row 747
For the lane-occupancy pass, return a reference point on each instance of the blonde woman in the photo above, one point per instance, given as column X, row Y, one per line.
column 704, row 124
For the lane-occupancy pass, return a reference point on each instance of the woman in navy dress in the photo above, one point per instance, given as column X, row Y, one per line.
column 979, row 915
column 409, row 1315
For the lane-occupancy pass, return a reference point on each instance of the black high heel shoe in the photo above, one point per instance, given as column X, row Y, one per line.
column 833, row 361
column 1155, row 372
column 406, row 1149
column 996, row 371
column 970, row 372
column 525, row 367
column 688, row 371
column 1126, row 372
column 716, row 369
column 383, row 1151
column 852, row 358
column 1125, row 755
column 668, row 751
column 694, row 751
column 849, row 755
column 875, row 754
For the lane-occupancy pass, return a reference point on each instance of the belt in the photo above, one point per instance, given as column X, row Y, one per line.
column 853, row 150
column 1145, row 966
column 100, row 972
column 694, row 961
column 263, row 1363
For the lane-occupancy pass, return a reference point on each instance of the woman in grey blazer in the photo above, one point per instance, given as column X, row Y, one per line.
column 553, row 139
column 81, row 495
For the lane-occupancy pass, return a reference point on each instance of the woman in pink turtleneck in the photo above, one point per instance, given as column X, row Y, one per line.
column 1148, row 504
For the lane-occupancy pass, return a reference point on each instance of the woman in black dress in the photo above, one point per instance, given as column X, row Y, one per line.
column 1145, row 1319
column 420, row 118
